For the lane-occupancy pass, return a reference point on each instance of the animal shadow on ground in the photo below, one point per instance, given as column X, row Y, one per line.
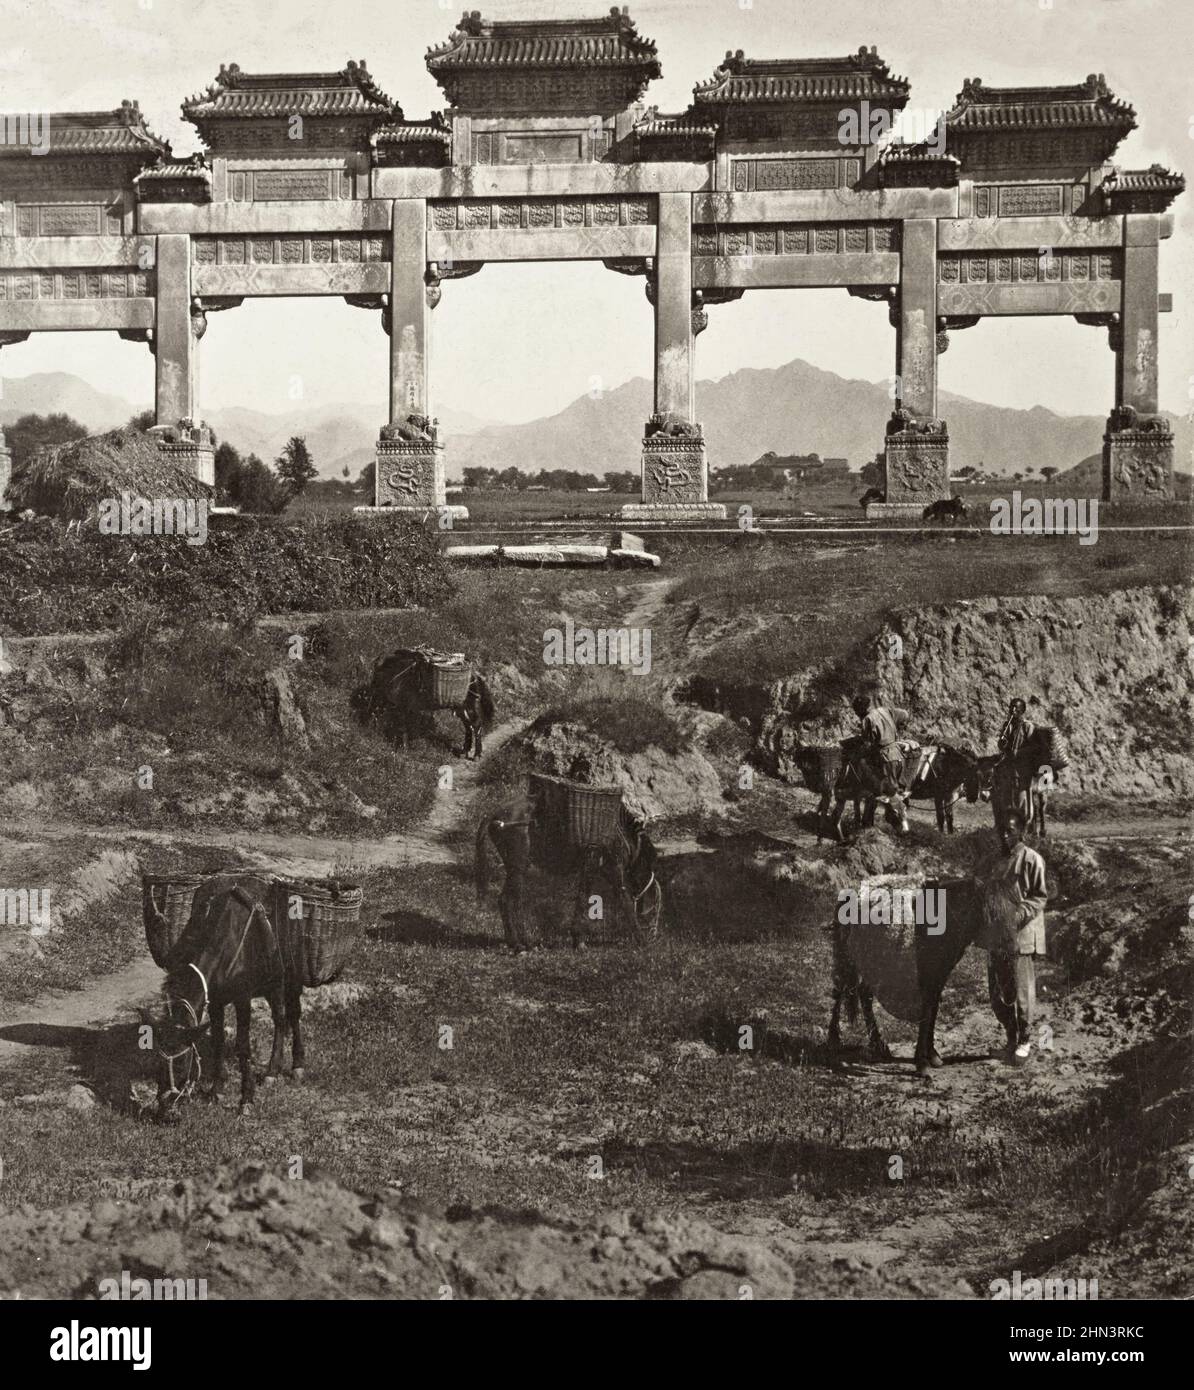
column 408, row 927
column 107, row 1059
column 769, row 1168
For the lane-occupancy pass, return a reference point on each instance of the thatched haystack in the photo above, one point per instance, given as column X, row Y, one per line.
column 71, row 481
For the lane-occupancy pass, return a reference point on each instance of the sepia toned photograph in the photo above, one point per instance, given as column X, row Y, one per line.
column 596, row 665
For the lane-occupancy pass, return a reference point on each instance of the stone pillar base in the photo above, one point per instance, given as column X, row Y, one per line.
column 1137, row 457
column 456, row 513
column 916, row 459
column 675, row 471
column 188, row 444
column 409, row 465
column 673, row 511
column 892, row 511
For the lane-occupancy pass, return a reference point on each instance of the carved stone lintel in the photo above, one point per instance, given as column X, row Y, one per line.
column 1137, row 457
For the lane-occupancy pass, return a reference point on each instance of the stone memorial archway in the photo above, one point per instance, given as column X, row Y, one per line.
column 316, row 183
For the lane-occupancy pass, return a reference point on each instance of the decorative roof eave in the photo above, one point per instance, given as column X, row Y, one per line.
column 1151, row 189
column 685, row 127
column 189, row 178
column 913, row 165
column 413, row 143
column 747, row 81
column 121, row 132
column 478, row 44
column 997, row 110
column 237, row 95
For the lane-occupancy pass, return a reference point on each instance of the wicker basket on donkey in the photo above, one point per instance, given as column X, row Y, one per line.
column 166, row 909
column 446, row 683
column 583, row 816
column 318, row 925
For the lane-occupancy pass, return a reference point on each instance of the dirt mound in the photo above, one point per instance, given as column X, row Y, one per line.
column 659, row 782
column 71, row 481
column 257, row 1235
column 1111, row 672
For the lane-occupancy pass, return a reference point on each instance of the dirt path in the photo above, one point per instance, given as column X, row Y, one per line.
column 108, row 999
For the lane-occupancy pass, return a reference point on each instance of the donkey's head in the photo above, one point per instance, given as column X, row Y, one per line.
column 178, row 1033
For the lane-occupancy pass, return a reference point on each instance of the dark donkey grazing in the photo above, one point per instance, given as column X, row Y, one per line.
column 229, row 953
column 523, row 841
column 936, row 954
column 397, row 697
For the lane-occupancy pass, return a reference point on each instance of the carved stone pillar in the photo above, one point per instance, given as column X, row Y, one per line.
column 675, row 469
column 916, row 448
column 409, row 460
column 178, row 326
column 1138, row 442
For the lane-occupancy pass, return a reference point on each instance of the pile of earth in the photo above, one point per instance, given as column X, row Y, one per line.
column 253, row 1234
column 1112, row 672
column 658, row 782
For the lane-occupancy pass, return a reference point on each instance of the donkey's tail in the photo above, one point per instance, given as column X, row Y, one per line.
column 481, row 860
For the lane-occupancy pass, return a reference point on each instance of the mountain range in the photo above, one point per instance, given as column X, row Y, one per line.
column 796, row 408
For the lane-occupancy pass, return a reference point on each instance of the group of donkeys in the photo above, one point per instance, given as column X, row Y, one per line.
column 1017, row 786
column 230, row 952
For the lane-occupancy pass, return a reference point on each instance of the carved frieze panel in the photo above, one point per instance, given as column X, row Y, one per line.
column 75, row 284
column 69, row 219
column 537, row 214
column 311, row 250
column 783, row 239
column 1026, row 200
column 1029, row 266
column 785, row 175
column 823, row 124
column 1005, row 152
column 288, row 185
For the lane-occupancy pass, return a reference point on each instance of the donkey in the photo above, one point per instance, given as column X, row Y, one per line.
column 229, row 953
column 961, row 916
column 949, row 774
column 523, row 841
column 859, row 780
column 396, row 696
column 1020, row 786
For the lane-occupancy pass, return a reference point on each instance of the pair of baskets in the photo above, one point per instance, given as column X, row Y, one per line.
column 318, row 923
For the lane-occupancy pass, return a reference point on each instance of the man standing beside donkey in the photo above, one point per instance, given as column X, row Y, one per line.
column 1014, row 934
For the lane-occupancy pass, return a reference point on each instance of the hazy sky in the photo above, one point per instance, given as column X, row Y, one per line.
column 515, row 342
